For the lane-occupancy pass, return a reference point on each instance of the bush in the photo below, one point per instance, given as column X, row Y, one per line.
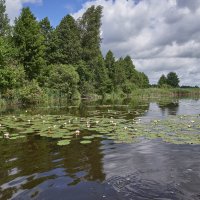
column 128, row 87
column 31, row 94
column 64, row 79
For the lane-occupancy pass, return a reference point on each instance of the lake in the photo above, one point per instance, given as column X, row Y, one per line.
column 134, row 150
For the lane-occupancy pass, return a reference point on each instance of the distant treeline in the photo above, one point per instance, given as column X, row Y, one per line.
column 36, row 59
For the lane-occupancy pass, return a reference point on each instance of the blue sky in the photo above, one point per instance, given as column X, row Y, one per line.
column 55, row 10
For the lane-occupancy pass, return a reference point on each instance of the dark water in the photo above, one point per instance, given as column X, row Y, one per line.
column 150, row 169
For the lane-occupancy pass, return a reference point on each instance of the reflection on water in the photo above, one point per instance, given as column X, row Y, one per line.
column 169, row 108
column 151, row 169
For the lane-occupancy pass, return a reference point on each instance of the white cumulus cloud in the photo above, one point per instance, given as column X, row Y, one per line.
column 160, row 36
column 13, row 7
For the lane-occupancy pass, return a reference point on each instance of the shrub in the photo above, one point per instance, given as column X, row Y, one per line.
column 31, row 94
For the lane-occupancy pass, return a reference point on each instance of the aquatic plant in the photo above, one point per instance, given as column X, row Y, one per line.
column 65, row 128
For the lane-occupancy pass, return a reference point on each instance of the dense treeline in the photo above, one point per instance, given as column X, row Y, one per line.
column 36, row 58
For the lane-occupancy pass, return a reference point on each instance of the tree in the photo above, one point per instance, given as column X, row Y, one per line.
column 7, row 52
column 119, row 74
column 47, row 32
column 64, row 79
column 86, row 79
column 162, row 81
column 109, row 63
column 89, row 25
column 30, row 43
column 129, row 67
column 144, row 80
column 11, row 77
column 172, row 79
column 101, row 76
column 4, row 21
column 67, row 42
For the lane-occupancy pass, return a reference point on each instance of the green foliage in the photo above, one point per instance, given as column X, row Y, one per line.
column 101, row 76
column 65, row 62
column 67, row 42
column 11, row 77
column 89, row 25
column 30, row 43
column 172, row 79
column 7, row 52
column 31, row 93
column 47, row 32
column 119, row 74
column 64, row 79
column 162, row 81
column 110, row 64
column 86, row 77
column 128, row 87
column 129, row 68
column 4, row 21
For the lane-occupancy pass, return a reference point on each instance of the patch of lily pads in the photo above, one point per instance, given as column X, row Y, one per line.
column 183, row 129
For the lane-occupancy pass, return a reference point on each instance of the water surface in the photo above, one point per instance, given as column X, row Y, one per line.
column 150, row 169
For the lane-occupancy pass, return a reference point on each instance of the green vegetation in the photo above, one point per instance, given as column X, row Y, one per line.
column 65, row 129
column 171, row 80
column 37, row 60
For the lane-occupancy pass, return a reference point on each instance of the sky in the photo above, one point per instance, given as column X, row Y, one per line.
column 160, row 35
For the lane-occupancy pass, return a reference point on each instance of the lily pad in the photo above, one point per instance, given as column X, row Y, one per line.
column 85, row 142
column 63, row 142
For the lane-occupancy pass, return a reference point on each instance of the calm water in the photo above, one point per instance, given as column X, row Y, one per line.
column 150, row 169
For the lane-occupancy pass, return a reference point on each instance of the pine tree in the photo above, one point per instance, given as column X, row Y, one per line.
column 4, row 21
column 109, row 63
column 129, row 68
column 101, row 76
column 47, row 32
column 66, row 41
column 119, row 74
column 30, row 43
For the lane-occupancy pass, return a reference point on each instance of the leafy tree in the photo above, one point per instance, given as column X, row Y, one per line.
column 30, row 43
column 110, row 64
column 67, row 42
column 172, row 79
column 162, row 80
column 4, row 21
column 129, row 67
column 144, row 80
column 31, row 93
column 7, row 52
column 89, row 25
column 86, row 79
column 119, row 74
column 64, row 79
column 11, row 77
column 47, row 32
column 101, row 76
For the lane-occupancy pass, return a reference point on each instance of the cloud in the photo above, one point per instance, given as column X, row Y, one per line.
column 160, row 36
column 13, row 7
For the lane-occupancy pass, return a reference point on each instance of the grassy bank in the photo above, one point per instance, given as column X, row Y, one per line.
column 50, row 97
column 166, row 92
column 156, row 93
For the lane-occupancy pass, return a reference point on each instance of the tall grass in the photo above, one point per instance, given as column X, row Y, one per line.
column 166, row 92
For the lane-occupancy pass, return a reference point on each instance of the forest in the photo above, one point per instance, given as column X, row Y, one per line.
column 37, row 59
